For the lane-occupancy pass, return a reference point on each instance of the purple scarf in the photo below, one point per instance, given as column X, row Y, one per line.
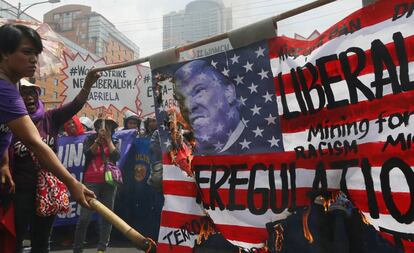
column 39, row 113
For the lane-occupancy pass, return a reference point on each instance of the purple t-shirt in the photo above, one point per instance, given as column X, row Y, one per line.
column 24, row 169
column 11, row 107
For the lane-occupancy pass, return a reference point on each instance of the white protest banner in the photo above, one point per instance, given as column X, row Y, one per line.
column 145, row 102
column 117, row 88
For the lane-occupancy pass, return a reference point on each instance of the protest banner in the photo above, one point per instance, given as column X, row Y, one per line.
column 281, row 117
column 145, row 99
column 71, row 154
column 125, row 88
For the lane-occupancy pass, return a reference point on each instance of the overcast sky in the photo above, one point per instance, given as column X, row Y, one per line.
column 141, row 20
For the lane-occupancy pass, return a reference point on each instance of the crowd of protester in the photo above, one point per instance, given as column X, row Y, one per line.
column 28, row 141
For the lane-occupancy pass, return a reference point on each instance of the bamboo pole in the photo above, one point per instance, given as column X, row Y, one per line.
column 221, row 36
column 136, row 238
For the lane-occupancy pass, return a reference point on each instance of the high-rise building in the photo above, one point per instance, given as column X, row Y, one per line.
column 199, row 20
column 9, row 11
column 92, row 31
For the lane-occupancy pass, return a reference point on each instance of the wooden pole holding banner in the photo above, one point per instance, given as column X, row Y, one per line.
column 140, row 241
column 285, row 15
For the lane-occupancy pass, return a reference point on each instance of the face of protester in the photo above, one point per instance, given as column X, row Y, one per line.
column 132, row 124
column 152, row 124
column 72, row 130
column 108, row 127
column 22, row 63
column 211, row 103
column 139, row 172
column 30, row 98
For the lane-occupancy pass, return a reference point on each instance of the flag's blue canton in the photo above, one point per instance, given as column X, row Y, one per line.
column 249, row 69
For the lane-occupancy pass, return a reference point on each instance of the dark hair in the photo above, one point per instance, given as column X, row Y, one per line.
column 146, row 124
column 98, row 124
column 135, row 118
column 11, row 37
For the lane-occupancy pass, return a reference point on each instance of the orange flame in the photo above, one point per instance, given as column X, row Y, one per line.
column 306, row 231
column 364, row 219
column 279, row 237
column 205, row 231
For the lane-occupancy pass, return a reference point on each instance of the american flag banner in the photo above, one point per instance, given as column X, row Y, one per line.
column 281, row 117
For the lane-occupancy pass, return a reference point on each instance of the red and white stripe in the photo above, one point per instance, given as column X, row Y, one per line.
column 247, row 230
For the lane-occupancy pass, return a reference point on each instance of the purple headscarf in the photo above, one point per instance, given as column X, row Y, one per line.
column 39, row 113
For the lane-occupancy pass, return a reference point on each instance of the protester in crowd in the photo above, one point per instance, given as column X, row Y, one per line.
column 25, row 169
column 19, row 50
column 86, row 123
column 150, row 124
column 155, row 178
column 74, row 127
column 131, row 121
column 98, row 147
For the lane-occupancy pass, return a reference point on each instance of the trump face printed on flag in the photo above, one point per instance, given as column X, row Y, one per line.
column 227, row 99
column 210, row 99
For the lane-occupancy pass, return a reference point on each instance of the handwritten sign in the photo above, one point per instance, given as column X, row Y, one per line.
column 117, row 88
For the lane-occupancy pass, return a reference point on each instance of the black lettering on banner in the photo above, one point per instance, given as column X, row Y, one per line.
column 401, row 9
column 320, row 178
column 298, row 92
column 233, row 182
column 300, row 152
column 201, row 180
column 343, row 29
column 351, row 78
column 344, row 165
column 77, row 83
column 402, row 140
column 390, row 164
column 392, row 124
column 292, row 174
column 83, row 70
column 313, row 86
column 355, row 25
column 380, row 122
column 380, row 57
column 185, row 233
column 406, row 84
column 177, row 234
column 327, row 80
column 285, row 189
column 286, row 113
column 188, row 228
column 168, row 238
column 149, row 92
column 369, row 187
column 215, row 186
column 315, row 131
column 252, row 191
column 398, row 236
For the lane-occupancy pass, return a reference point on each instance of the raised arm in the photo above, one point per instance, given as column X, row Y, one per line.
column 66, row 112
column 90, row 79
